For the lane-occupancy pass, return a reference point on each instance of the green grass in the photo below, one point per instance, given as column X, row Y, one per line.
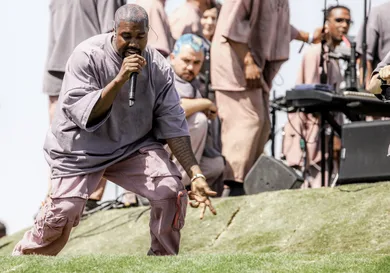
column 201, row 263
column 345, row 229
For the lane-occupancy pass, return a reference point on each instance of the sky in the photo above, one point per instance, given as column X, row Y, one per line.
column 23, row 107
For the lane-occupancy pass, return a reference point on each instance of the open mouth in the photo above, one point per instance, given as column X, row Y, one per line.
column 131, row 51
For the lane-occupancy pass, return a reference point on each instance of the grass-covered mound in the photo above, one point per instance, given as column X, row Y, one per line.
column 345, row 227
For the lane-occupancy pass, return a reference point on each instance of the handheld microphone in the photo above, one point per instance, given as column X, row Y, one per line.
column 133, row 86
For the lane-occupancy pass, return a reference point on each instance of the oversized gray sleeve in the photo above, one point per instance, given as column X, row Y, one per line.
column 81, row 91
column 169, row 117
column 372, row 36
column 106, row 13
column 294, row 32
column 383, row 63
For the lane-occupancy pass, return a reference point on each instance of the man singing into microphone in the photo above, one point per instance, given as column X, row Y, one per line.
column 96, row 134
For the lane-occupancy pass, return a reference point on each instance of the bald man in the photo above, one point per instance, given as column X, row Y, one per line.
column 96, row 133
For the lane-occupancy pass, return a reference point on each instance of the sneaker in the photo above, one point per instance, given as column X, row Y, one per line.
column 90, row 205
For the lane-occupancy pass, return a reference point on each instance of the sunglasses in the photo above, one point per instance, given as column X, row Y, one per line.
column 342, row 20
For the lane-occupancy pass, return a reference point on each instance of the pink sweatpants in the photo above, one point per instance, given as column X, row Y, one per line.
column 149, row 173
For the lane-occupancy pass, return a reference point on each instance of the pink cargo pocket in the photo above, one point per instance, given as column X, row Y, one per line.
column 158, row 163
column 53, row 227
column 181, row 209
column 49, row 227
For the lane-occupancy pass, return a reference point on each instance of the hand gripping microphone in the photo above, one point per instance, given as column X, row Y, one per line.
column 133, row 86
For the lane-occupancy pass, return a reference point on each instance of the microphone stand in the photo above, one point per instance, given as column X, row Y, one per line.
column 273, row 126
column 364, row 44
column 323, row 80
column 323, row 76
column 207, row 74
column 352, row 78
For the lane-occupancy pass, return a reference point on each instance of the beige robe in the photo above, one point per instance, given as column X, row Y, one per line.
column 249, row 21
column 160, row 36
column 245, row 130
column 308, row 125
column 185, row 19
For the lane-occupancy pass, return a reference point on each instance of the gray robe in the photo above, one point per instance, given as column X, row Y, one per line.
column 71, row 22
column 72, row 148
column 378, row 34
column 385, row 61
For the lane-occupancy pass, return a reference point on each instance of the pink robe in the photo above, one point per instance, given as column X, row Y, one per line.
column 185, row 19
column 160, row 36
column 264, row 26
column 249, row 21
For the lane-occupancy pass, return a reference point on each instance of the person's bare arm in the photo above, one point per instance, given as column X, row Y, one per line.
column 241, row 49
column 369, row 70
column 191, row 106
column 304, row 36
column 105, row 101
column 200, row 190
column 132, row 63
column 252, row 70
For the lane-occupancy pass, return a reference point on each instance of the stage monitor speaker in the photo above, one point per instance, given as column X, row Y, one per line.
column 364, row 152
column 270, row 174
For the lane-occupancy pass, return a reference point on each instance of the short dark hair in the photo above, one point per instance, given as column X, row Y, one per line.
column 215, row 4
column 131, row 13
column 331, row 8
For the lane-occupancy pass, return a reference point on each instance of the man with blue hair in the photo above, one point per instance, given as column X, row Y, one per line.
column 187, row 59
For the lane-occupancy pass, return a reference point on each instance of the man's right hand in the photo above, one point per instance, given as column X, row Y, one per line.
column 252, row 72
column 131, row 64
column 199, row 194
column 212, row 111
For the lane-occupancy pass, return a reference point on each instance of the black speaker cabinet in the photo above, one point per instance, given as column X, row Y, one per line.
column 364, row 152
column 270, row 174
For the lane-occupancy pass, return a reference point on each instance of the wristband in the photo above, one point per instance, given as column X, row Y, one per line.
column 198, row 175
column 310, row 38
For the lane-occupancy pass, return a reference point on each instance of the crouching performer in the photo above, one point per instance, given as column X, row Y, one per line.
column 95, row 134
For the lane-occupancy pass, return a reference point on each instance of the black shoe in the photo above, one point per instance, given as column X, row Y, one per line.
column 236, row 188
column 90, row 205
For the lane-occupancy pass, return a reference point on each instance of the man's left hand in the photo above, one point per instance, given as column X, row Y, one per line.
column 200, row 193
